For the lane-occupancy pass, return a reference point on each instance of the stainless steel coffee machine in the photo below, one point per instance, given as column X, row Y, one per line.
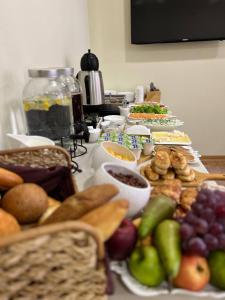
column 92, row 88
column 91, row 80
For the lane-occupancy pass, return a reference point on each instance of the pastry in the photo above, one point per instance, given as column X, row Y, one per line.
column 81, row 203
column 150, row 174
column 162, row 160
column 107, row 218
column 188, row 178
column 8, row 224
column 179, row 213
column 188, row 196
column 9, row 179
column 170, row 188
column 158, row 170
column 26, row 202
column 169, row 175
column 178, row 160
column 184, row 172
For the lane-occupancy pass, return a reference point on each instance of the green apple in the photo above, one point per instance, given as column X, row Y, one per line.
column 145, row 266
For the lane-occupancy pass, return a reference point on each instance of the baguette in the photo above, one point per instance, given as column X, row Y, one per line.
column 9, row 179
column 79, row 204
column 107, row 218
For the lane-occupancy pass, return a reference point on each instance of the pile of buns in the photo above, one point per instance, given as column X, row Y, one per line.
column 164, row 166
column 25, row 204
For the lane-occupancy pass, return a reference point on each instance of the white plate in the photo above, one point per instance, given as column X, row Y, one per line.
column 116, row 119
column 143, row 291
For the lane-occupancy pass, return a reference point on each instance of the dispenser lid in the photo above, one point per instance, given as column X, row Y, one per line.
column 89, row 62
column 50, row 72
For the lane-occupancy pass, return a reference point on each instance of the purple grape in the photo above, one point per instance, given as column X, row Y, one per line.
column 215, row 229
column 197, row 246
column 220, row 195
column 208, row 215
column 220, row 210
column 201, row 226
column 211, row 241
column 197, row 208
column 221, row 239
column 191, row 218
column 202, row 196
column 186, row 231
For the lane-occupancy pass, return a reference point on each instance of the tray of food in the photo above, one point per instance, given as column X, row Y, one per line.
column 150, row 108
column 163, row 124
column 175, row 137
column 191, row 156
column 165, row 166
column 175, row 247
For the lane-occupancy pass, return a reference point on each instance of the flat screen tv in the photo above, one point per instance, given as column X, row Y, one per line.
column 164, row 21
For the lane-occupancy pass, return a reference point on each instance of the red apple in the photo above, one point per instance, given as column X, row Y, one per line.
column 123, row 241
column 194, row 273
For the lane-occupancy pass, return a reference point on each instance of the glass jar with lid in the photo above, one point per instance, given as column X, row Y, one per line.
column 47, row 104
column 72, row 84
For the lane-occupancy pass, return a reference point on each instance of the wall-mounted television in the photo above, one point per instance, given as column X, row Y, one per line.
column 165, row 21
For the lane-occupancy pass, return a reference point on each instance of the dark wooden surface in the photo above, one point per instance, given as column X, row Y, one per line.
column 214, row 164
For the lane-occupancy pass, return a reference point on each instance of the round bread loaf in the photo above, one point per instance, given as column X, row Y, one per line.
column 8, row 224
column 26, row 202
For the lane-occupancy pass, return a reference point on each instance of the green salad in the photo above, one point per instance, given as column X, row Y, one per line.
column 149, row 109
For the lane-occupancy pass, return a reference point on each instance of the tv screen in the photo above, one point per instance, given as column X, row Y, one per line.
column 163, row 21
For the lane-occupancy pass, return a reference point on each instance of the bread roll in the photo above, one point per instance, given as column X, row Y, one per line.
column 26, row 202
column 107, row 218
column 9, row 179
column 79, row 204
column 8, row 224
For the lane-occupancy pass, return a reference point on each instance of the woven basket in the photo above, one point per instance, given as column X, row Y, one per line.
column 30, row 161
column 60, row 261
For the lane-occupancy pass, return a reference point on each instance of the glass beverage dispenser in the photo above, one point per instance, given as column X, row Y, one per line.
column 47, row 104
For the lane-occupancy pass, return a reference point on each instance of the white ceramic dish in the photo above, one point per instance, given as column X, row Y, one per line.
column 137, row 197
column 21, row 140
column 101, row 155
column 138, row 130
column 143, row 291
column 116, row 119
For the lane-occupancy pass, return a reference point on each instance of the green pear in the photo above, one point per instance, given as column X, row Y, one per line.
column 145, row 266
column 216, row 262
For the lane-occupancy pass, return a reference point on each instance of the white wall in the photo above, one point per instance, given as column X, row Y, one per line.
column 37, row 33
column 191, row 76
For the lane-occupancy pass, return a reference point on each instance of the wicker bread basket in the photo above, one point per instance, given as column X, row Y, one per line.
column 60, row 261
column 50, row 162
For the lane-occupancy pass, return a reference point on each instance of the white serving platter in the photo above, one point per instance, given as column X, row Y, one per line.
column 140, row 290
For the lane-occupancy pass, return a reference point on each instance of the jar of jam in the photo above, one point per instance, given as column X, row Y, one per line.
column 47, row 104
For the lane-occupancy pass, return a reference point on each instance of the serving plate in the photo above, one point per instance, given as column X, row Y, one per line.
column 171, row 138
column 140, row 290
column 163, row 125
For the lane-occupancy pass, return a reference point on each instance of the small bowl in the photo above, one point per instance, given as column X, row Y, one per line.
column 101, row 155
column 137, row 196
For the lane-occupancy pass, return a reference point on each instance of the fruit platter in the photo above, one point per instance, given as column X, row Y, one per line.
column 166, row 251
